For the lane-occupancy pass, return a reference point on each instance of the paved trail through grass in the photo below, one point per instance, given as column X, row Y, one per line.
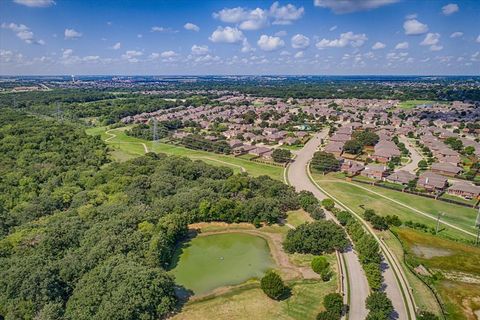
column 113, row 136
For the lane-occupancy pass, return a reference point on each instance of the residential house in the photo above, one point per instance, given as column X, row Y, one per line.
column 465, row 190
column 446, row 169
column 432, row 181
column 401, row 177
column 351, row 167
column 375, row 171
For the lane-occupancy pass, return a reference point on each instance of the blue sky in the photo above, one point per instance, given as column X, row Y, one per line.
column 49, row 37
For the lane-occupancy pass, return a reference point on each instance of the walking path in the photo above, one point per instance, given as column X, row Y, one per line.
column 113, row 136
column 357, row 287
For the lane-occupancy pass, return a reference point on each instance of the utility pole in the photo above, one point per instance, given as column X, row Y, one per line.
column 59, row 112
column 440, row 214
column 477, row 225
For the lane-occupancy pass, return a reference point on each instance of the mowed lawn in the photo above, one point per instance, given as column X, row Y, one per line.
column 409, row 104
column 127, row 147
column 353, row 195
column 305, row 302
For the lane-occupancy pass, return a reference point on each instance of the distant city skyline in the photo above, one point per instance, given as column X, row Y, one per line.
column 315, row 37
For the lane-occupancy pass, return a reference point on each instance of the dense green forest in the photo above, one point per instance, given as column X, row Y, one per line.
column 108, row 107
column 88, row 239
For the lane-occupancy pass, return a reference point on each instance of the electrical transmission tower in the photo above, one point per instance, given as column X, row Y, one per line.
column 58, row 114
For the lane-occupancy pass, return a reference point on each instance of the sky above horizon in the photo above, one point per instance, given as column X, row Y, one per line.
column 319, row 37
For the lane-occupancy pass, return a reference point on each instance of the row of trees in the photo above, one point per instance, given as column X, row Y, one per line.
column 199, row 143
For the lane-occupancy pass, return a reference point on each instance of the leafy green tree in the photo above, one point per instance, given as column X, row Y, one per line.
column 281, row 155
column 366, row 138
column 316, row 238
column 333, row 302
column 325, row 162
column 353, row 147
column 422, row 164
column 379, row 305
column 273, row 286
column 425, row 315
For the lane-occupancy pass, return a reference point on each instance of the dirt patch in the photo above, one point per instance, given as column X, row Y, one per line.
column 477, row 314
column 427, row 252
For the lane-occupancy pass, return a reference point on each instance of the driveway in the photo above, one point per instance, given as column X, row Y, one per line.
column 414, row 156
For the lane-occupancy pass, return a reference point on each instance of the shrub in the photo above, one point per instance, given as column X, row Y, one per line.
column 317, row 213
column 327, row 315
column 273, row 286
column 425, row 315
column 328, row 203
column 306, row 199
column 344, row 217
column 320, row 264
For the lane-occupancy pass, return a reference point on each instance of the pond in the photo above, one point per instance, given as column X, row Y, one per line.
column 213, row 261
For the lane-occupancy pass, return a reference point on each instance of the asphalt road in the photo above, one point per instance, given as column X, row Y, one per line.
column 414, row 155
column 297, row 176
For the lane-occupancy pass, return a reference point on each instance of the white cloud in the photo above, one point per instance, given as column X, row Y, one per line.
column 246, row 47
column 436, row 47
column 199, row 50
column 192, row 27
column 414, row 27
column 168, row 54
column 348, row 6
column 299, row 41
column 478, row 39
column 450, row 8
column 346, row 39
column 72, row 34
column 299, row 55
column 333, row 28
column 35, row 3
column 431, row 39
column 162, row 29
column 378, row 45
column 67, row 53
column 22, row 32
column 226, row 35
column 91, row 58
column 457, row 34
column 281, row 33
column 258, row 18
column 132, row 55
column 269, row 43
column 411, row 16
column 117, row 46
column 402, row 46
column 286, row 14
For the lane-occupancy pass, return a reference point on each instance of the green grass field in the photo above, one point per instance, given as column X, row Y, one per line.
column 459, row 264
column 126, row 147
column 409, row 104
column 352, row 195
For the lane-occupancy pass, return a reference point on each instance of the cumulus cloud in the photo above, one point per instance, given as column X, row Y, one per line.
column 269, row 43
column 286, row 14
column 132, row 55
column 72, row 34
column 348, row 6
column 258, row 18
column 192, row 27
column 436, row 47
column 299, row 41
column 168, row 54
column 478, row 39
column 35, row 3
column 346, row 39
column 457, row 34
column 299, row 55
column 226, row 35
column 22, row 32
column 246, row 47
column 414, row 27
column 402, row 46
column 431, row 39
column 378, row 45
column 162, row 29
column 117, row 46
column 450, row 8
column 199, row 50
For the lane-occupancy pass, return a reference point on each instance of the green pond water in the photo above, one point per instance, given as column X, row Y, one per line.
column 213, row 261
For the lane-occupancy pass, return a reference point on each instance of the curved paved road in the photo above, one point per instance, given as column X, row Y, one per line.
column 297, row 176
column 414, row 155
